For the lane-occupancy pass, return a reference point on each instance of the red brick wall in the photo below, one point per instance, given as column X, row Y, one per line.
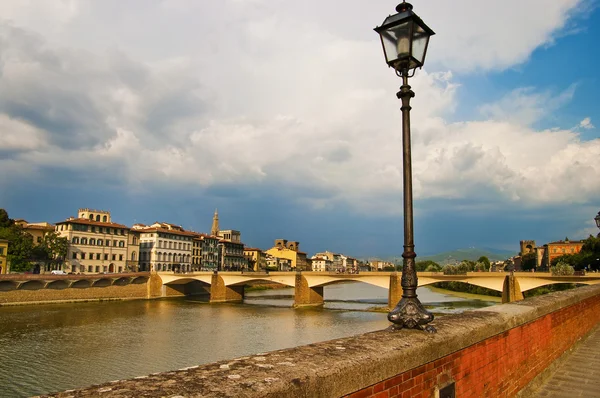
column 499, row 366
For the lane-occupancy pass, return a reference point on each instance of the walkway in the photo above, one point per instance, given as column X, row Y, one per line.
column 579, row 374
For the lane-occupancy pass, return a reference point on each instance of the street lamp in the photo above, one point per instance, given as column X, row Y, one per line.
column 597, row 219
column 404, row 37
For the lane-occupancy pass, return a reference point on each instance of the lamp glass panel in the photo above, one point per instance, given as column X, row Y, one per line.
column 396, row 42
column 420, row 39
column 597, row 220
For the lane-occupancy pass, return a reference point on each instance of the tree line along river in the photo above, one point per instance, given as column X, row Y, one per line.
column 54, row 347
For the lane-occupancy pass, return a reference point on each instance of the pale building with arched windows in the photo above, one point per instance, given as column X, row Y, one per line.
column 164, row 247
column 96, row 244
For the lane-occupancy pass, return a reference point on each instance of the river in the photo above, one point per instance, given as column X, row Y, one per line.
column 54, row 347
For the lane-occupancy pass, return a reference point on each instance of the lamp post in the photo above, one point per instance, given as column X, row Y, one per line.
column 597, row 219
column 404, row 37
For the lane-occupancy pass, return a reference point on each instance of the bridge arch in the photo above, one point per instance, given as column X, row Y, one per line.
column 58, row 285
column 81, row 284
column 7, row 286
column 104, row 282
column 139, row 280
column 123, row 281
column 32, row 285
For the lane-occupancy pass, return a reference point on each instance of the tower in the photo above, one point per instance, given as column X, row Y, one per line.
column 215, row 224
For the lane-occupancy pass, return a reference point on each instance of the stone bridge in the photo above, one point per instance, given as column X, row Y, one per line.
column 12, row 282
column 229, row 286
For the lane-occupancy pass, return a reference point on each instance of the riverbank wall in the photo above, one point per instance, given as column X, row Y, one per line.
column 498, row 351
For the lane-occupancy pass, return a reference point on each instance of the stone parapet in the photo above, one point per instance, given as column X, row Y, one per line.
column 494, row 351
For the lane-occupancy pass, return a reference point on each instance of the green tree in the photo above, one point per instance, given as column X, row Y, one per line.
column 5, row 221
column 480, row 266
column 52, row 250
column 20, row 247
column 529, row 261
column 562, row 269
column 433, row 268
column 591, row 245
column 421, row 266
column 485, row 261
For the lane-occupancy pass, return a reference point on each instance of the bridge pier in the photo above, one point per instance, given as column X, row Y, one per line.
column 511, row 290
column 395, row 290
column 219, row 293
column 306, row 296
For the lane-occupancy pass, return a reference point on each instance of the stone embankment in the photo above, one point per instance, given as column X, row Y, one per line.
column 491, row 352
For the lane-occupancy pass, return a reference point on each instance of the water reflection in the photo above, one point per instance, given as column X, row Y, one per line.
column 55, row 347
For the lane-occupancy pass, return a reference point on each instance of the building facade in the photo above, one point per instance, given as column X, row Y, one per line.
column 133, row 251
column 257, row 259
column 337, row 262
column 321, row 264
column 4, row 269
column 289, row 250
column 278, row 264
column 554, row 250
column 206, row 253
column 36, row 230
column 165, row 247
column 94, row 246
column 231, row 250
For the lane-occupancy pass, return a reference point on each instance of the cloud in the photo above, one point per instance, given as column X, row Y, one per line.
column 279, row 98
column 526, row 105
column 586, row 123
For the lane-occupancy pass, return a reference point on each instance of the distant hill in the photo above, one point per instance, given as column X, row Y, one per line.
column 467, row 254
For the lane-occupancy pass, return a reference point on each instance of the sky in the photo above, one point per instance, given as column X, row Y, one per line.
column 283, row 115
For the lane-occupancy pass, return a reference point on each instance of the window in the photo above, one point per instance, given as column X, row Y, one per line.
column 135, row 240
column 90, row 268
column 83, row 255
column 104, row 219
column 107, row 242
column 92, row 241
column 120, row 257
column 74, row 256
column 104, row 268
column 98, row 217
column 106, row 256
column 75, row 240
column 99, row 243
column 84, row 241
column 114, row 243
column 114, row 257
column 97, row 268
column 120, row 269
column 111, row 231
column 122, row 243
column 1, row 251
column 93, row 228
column 133, row 256
column 97, row 256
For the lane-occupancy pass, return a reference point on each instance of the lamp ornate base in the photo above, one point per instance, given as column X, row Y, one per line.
column 409, row 313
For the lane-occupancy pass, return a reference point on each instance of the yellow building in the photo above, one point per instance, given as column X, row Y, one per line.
column 3, row 254
column 36, row 229
column 290, row 251
column 257, row 259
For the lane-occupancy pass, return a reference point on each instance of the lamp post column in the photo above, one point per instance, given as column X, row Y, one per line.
column 409, row 312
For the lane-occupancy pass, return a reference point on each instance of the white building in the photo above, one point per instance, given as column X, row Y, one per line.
column 165, row 247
